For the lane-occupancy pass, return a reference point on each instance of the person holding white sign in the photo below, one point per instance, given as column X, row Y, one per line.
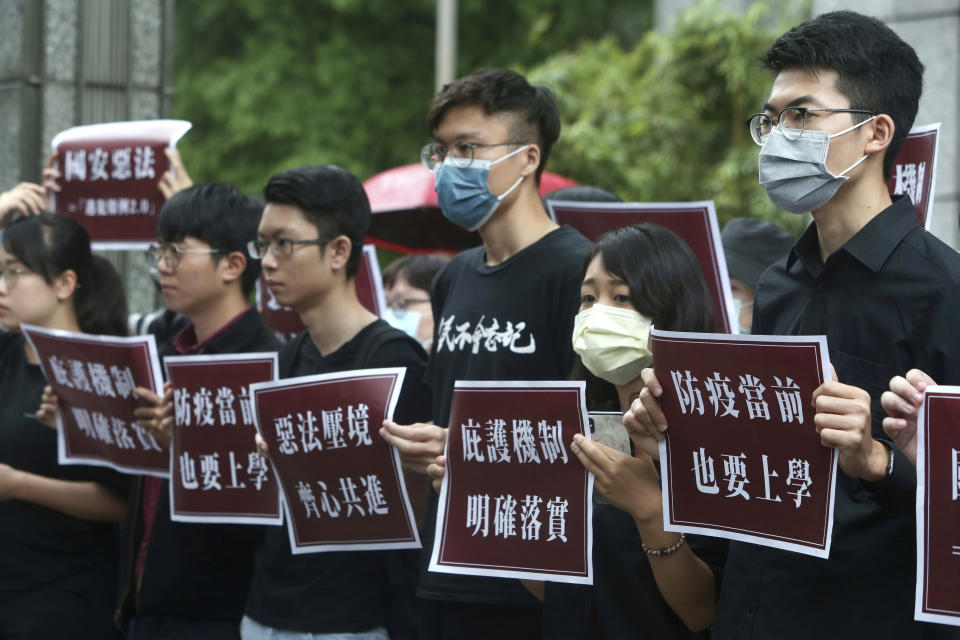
column 886, row 294
column 187, row 579
column 57, row 523
column 502, row 311
column 310, row 244
column 658, row 584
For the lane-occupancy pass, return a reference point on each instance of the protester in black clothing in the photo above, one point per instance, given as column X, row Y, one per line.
column 656, row 584
column 57, row 537
column 502, row 311
column 310, row 244
column 183, row 579
column 886, row 295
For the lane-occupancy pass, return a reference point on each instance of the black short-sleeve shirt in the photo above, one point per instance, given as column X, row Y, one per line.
column 39, row 545
column 334, row 592
column 510, row 321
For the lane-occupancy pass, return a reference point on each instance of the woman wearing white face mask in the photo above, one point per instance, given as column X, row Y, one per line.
column 406, row 284
column 656, row 584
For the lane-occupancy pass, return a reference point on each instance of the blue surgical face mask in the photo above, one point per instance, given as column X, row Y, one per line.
column 407, row 321
column 463, row 193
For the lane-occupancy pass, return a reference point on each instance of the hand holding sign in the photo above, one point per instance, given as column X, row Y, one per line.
column 902, row 404
column 418, row 444
column 843, row 422
column 157, row 416
column 176, row 179
column 644, row 420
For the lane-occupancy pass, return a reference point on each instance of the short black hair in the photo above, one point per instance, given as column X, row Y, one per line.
column 331, row 198
column 537, row 117
column 51, row 243
column 876, row 70
column 218, row 214
column 419, row 271
column 664, row 276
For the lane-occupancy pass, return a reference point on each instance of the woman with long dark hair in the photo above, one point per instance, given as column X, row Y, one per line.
column 57, row 523
column 648, row 583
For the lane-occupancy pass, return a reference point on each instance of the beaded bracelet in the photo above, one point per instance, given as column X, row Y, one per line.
column 666, row 551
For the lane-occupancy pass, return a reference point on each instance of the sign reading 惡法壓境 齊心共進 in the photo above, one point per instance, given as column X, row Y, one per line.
column 94, row 378
column 342, row 484
column 216, row 472
column 938, row 506
column 515, row 502
column 742, row 458
column 109, row 177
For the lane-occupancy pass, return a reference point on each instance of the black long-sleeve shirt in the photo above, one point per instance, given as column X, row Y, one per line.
column 888, row 300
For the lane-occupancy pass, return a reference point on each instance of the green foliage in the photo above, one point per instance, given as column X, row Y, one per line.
column 663, row 120
column 271, row 85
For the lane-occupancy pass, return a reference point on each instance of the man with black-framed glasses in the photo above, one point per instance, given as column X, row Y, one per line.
column 186, row 580
column 886, row 294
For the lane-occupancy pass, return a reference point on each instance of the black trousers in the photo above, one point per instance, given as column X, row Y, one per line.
column 468, row 621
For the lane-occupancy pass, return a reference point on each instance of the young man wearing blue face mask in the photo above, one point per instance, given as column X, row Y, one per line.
column 502, row 311
column 885, row 292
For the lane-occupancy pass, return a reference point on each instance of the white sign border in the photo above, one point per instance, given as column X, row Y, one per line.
column 149, row 341
column 669, row 525
column 919, row 613
column 302, row 381
column 219, row 360
column 685, row 207
column 507, row 386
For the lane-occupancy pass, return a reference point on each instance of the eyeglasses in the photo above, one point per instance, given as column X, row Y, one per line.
column 280, row 247
column 11, row 275
column 461, row 153
column 172, row 254
column 404, row 303
column 792, row 122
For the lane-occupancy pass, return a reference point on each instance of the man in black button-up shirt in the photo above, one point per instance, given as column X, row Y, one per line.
column 884, row 292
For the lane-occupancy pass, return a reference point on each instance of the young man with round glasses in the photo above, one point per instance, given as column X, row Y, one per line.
column 310, row 244
column 492, row 133
column 885, row 292
column 186, row 580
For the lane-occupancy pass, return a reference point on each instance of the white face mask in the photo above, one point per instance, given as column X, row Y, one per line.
column 407, row 321
column 612, row 342
column 738, row 306
column 794, row 172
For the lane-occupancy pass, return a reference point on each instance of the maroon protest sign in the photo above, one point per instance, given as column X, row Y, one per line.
column 94, row 378
column 343, row 489
column 915, row 170
column 742, row 458
column 694, row 222
column 938, row 506
column 109, row 175
column 285, row 322
column 216, row 472
column 515, row 502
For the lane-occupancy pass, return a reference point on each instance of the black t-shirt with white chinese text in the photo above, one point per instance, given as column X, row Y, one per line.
column 344, row 591
column 510, row 321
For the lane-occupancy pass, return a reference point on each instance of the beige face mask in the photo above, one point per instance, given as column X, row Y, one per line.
column 612, row 342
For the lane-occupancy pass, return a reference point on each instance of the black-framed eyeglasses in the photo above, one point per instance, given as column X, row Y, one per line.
column 461, row 153
column 403, row 304
column 280, row 247
column 11, row 275
column 172, row 253
column 792, row 122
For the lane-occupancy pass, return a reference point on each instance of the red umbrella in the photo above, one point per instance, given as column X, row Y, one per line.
column 406, row 215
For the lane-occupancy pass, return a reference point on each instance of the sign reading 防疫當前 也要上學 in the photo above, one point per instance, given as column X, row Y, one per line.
column 515, row 502
column 938, row 506
column 94, row 378
column 216, row 472
column 342, row 484
column 109, row 177
column 742, row 458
